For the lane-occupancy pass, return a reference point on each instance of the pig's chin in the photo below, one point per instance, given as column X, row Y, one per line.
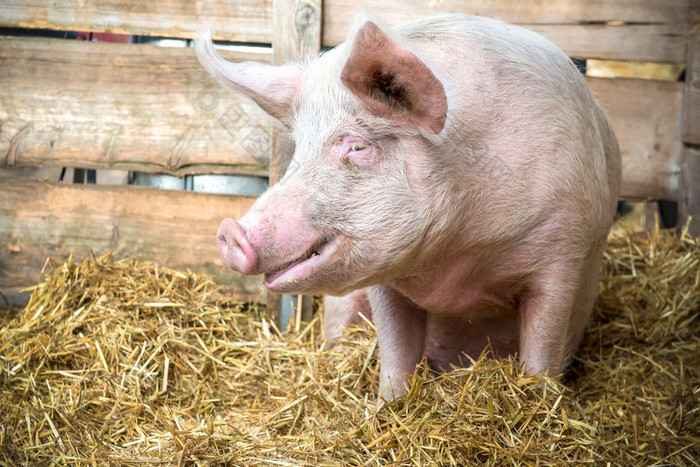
column 301, row 274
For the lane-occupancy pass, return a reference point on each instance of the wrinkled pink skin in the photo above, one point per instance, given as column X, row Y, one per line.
column 457, row 169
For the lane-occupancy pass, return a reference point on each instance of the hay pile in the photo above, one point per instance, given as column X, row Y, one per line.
column 125, row 363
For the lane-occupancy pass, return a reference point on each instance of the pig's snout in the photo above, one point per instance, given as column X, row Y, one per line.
column 236, row 250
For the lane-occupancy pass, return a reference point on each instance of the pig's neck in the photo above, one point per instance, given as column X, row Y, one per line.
column 463, row 284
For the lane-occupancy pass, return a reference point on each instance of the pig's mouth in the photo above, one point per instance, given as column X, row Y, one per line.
column 289, row 277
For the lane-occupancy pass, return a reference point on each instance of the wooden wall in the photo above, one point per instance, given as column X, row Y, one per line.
column 152, row 109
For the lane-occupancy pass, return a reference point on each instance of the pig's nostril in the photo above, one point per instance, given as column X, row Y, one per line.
column 222, row 243
column 235, row 248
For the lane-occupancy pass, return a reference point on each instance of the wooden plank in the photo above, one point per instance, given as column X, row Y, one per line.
column 646, row 117
column 174, row 228
column 240, row 20
column 127, row 106
column 297, row 29
column 689, row 192
column 640, row 30
column 691, row 116
column 632, row 42
column 297, row 32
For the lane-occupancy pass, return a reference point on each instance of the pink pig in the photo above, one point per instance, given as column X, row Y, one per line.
column 456, row 168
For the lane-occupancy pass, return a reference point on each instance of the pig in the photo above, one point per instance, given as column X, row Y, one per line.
column 341, row 312
column 455, row 169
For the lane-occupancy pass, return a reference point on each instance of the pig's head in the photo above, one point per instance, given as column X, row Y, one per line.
column 353, row 208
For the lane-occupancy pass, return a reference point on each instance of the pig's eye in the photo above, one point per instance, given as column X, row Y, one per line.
column 355, row 151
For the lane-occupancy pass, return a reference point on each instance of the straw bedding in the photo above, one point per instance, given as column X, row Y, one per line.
column 130, row 363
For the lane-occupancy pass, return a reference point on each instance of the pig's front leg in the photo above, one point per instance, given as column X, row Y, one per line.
column 340, row 312
column 543, row 332
column 555, row 313
column 401, row 333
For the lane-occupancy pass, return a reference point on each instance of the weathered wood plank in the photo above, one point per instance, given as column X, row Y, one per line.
column 297, row 32
column 646, row 117
column 691, row 116
column 240, row 20
column 297, row 29
column 640, row 30
column 129, row 106
column 631, row 42
column 174, row 228
column 689, row 192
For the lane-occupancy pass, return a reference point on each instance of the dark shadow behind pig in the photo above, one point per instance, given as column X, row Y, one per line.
column 456, row 168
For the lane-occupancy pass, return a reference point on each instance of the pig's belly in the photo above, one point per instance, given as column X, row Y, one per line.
column 450, row 337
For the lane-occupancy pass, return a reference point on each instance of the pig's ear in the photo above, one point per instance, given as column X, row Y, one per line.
column 271, row 87
column 392, row 82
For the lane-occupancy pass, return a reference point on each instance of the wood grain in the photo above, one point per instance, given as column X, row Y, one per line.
column 240, row 20
column 173, row 228
column 296, row 29
column 640, row 30
column 691, row 117
column 127, row 106
column 297, row 26
column 646, row 117
column 689, row 192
